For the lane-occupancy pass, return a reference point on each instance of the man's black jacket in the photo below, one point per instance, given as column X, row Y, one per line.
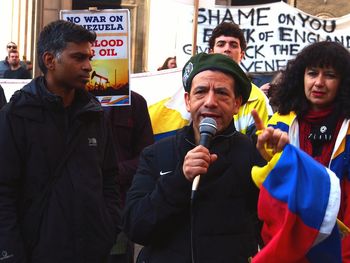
column 158, row 210
column 77, row 217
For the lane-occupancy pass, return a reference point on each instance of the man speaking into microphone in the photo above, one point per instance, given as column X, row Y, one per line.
column 219, row 224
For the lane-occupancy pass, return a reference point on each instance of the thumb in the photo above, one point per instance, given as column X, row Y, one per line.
column 213, row 158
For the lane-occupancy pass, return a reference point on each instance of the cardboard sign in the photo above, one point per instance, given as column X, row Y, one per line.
column 109, row 79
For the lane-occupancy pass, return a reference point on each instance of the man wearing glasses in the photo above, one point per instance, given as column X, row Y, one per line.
column 4, row 64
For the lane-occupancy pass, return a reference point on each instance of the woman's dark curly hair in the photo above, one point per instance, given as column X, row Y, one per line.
column 290, row 94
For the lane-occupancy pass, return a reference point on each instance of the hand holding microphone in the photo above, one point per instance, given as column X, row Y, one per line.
column 197, row 161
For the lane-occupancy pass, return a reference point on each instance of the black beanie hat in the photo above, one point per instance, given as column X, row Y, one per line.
column 204, row 61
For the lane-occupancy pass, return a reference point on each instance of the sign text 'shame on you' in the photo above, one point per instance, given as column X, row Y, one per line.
column 275, row 32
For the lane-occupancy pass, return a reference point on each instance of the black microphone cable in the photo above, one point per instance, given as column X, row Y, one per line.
column 207, row 130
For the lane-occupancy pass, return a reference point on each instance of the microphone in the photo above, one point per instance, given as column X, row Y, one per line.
column 207, row 130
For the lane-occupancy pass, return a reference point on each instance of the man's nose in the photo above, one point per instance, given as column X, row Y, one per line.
column 87, row 66
column 211, row 100
column 227, row 47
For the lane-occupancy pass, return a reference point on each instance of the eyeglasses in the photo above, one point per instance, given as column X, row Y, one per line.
column 10, row 46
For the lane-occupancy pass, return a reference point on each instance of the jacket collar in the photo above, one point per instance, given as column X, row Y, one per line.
column 34, row 98
column 227, row 133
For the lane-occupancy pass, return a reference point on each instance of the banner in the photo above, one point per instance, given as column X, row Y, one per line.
column 10, row 86
column 275, row 32
column 153, row 86
column 109, row 79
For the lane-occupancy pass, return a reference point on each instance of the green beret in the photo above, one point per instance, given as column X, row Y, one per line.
column 225, row 64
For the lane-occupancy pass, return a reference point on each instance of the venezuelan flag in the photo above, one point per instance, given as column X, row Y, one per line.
column 169, row 115
column 298, row 203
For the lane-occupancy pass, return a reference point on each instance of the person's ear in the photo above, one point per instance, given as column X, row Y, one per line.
column 237, row 104
column 242, row 56
column 187, row 101
column 49, row 60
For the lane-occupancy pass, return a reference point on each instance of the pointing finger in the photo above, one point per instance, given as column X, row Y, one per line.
column 258, row 121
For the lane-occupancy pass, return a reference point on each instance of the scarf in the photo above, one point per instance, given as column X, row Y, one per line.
column 318, row 132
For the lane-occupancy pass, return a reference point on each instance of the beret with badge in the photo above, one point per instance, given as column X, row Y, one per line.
column 204, row 61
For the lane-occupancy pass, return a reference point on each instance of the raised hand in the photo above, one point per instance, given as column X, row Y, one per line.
column 270, row 140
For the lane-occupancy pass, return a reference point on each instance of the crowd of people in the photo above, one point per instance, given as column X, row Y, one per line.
column 82, row 183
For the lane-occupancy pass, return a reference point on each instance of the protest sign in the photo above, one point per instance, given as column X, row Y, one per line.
column 109, row 79
column 275, row 32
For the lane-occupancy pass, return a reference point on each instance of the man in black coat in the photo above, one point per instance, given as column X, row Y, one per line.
column 132, row 132
column 58, row 188
column 16, row 70
column 3, row 100
column 219, row 223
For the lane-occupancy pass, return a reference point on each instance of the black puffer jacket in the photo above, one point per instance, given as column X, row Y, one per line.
column 158, row 208
column 75, row 217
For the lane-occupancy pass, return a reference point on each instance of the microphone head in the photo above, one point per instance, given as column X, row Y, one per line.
column 208, row 125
